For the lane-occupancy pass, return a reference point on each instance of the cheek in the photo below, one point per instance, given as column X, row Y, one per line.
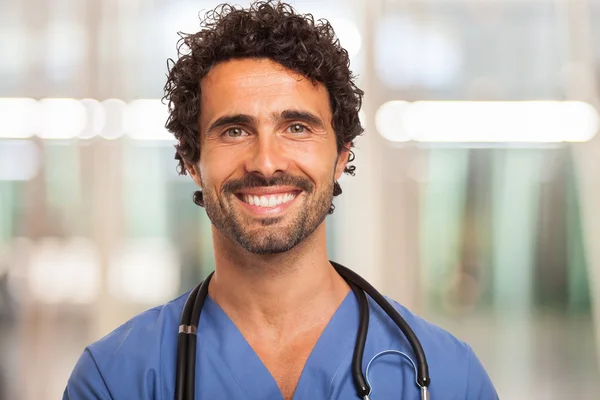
column 215, row 167
column 315, row 160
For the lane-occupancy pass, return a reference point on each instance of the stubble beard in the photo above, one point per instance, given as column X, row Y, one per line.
column 269, row 235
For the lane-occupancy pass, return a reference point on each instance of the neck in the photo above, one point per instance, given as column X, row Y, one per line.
column 277, row 291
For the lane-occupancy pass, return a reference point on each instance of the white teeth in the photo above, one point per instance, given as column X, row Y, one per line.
column 269, row 200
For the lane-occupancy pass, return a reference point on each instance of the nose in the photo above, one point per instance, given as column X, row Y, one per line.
column 267, row 156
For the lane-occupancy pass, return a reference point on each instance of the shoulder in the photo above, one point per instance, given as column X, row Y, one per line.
column 452, row 362
column 136, row 351
column 433, row 337
column 148, row 329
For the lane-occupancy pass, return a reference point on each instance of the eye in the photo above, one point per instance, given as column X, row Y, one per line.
column 234, row 132
column 297, row 128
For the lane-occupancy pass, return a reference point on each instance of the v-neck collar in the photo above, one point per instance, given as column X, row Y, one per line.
column 333, row 348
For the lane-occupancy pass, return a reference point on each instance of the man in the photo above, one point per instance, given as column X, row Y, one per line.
column 265, row 111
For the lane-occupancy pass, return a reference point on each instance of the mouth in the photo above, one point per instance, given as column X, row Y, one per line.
column 272, row 200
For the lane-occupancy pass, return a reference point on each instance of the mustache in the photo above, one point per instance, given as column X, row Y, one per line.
column 256, row 180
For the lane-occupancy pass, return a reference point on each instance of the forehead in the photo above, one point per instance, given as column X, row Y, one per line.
column 256, row 86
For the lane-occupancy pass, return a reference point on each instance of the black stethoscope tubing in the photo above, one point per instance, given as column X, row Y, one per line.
column 190, row 317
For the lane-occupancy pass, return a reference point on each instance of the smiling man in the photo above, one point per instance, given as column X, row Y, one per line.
column 268, row 159
column 265, row 111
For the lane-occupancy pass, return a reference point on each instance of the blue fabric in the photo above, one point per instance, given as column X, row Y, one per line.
column 137, row 360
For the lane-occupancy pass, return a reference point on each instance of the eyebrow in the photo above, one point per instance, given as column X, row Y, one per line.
column 303, row 116
column 241, row 119
column 286, row 115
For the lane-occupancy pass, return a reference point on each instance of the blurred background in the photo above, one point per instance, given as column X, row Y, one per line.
column 476, row 201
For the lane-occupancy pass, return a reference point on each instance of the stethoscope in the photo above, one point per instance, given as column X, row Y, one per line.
column 190, row 317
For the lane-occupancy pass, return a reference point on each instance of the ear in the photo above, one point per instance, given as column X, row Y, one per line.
column 194, row 172
column 342, row 161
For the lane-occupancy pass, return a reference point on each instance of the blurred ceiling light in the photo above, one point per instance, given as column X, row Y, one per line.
column 349, row 35
column 115, row 118
column 64, row 271
column 387, row 123
column 61, row 118
column 145, row 271
column 488, row 122
column 362, row 116
column 95, row 118
column 146, row 120
column 17, row 117
column 19, row 160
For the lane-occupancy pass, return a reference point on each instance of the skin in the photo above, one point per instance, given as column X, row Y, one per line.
column 272, row 276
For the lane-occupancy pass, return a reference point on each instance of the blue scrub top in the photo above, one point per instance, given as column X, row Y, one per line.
column 137, row 360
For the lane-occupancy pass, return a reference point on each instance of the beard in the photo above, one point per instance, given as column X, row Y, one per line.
column 268, row 235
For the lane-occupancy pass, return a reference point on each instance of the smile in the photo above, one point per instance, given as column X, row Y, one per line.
column 268, row 200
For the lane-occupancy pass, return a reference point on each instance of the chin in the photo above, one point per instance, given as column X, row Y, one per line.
column 273, row 243
column 267, row 248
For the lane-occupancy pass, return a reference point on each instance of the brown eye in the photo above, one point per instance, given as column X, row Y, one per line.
column 234, row 132
column 297, row 128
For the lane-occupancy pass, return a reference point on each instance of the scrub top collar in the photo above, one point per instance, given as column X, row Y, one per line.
column 218, row 333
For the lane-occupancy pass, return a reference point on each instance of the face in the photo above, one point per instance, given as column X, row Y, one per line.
column 268, row 156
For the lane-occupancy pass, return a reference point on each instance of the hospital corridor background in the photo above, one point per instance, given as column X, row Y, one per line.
column 476, row 200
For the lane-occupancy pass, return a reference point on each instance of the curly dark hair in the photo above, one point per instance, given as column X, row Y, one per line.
column 266, row 29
